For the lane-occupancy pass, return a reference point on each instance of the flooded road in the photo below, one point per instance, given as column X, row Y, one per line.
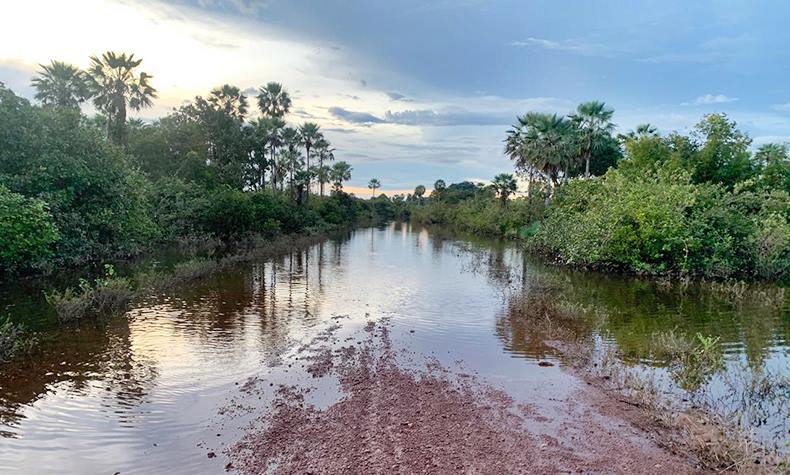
column 159, row 390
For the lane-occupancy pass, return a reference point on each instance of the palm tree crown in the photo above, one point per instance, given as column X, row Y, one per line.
column 61, row 84
column 341, row 171
column 230, row 100
column 542, row 143
column 116, row 87
column 504, row 185
column 273, row 100
column 374, row 184
column 593, row 120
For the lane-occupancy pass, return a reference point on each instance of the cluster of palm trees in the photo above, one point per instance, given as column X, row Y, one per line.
column 111, row 82
column 285, row 143
column 273, row 149
column 552, row 148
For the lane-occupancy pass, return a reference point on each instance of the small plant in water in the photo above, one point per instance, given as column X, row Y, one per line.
column 108, row 294
column 14, row 340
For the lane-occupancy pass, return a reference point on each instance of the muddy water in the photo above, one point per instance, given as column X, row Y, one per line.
column 158, row 391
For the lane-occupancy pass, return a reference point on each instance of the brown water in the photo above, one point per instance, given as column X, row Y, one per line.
column 151, row 392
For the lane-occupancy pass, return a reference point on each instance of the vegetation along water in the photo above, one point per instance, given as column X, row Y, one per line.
column 199, row 292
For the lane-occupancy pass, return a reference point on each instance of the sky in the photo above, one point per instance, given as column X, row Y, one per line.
column 410, row 91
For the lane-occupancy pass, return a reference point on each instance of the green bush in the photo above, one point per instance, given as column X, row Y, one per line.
column 97, row 199
column 661, row 222
column 27, row 231
column 14, row 340
column 107, row 295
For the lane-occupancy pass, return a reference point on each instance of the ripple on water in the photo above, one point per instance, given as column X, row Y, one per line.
column 139, row 394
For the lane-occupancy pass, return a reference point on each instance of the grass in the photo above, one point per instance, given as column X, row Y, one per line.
column 15, row 341
column 718, row 442
column 108, row 295
column 111, row 294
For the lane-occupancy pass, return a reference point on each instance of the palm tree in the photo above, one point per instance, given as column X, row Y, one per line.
column 644, row 130
column 374, row 184
column 593, row 120
column 504, row 185
column 60, row 84
column 291, row 140
column 419, row 190
column 310, row 133
column 273, row 100
column 230, row 100
column 438, row 188
column 324, row 153
column 771, row 153
column 321, row 173
column 341, row 171
column 274, row 138
column 116, row 88
column 542, row 144
column 641, row 131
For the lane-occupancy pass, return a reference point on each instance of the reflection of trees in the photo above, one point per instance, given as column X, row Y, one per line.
column 519, row 334
column 637, row 308
column 71, row 359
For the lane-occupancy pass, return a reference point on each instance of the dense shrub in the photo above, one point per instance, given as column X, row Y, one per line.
column 662, row 222
column 98, row 201
column 482, row 214
column 27, row 231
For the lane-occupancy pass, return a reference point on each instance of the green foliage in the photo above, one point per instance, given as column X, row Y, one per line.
column 97, row 199
column 27, row 231
column 724, row 157
column 15, row 341
column 69, row 195
column 107, row 295
column 482, row 214
column 663, row 222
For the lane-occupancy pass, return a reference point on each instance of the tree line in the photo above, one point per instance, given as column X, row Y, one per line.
column 77, row 188
column 702, row 204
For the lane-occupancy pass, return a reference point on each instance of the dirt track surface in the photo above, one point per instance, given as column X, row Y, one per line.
column 394, row 419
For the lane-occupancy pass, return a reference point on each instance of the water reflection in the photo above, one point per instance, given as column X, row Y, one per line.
column 139, row 393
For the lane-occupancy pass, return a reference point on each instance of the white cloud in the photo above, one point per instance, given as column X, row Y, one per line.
column 781, row 107
column 567, row 46
column 710, row 99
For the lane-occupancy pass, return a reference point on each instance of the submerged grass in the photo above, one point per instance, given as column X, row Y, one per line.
column 720, row 442
column 15, row 340
column 111, row 295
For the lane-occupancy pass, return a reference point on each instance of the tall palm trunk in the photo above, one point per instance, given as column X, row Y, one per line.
column 273, row 173
column 307, row 165
column 321, row 177
column 587, row 154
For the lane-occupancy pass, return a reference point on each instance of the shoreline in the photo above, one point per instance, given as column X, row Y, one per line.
column 407, row 418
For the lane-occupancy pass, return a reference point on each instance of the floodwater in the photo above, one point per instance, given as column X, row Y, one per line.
column 151, row 391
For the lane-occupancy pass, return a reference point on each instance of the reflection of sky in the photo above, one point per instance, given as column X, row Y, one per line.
column 102, row 397
column 417, row 90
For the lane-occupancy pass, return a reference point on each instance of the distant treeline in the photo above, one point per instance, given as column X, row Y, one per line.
column 76, row 189
column 701, row 204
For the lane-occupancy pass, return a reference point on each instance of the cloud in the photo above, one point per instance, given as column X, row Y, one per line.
column 781, row 107
column 246, row 7
column 363, row 118
column 396, row 96
column 567, row 46
column 427, row 117
column 708, row 99
column 447, row 117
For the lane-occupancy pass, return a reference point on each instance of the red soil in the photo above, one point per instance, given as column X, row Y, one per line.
column 396, row 420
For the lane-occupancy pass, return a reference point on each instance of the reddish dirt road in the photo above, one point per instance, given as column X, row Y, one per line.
column 433, row 420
